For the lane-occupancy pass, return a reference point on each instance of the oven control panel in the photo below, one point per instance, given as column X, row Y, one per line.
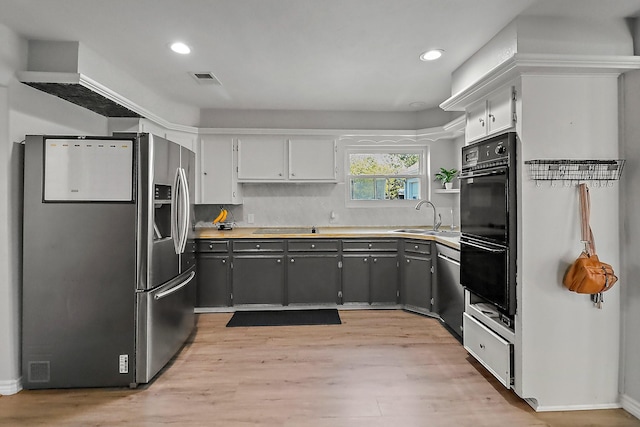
column 486, row 154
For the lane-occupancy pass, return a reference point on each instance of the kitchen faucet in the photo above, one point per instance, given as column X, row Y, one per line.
column 436, row 225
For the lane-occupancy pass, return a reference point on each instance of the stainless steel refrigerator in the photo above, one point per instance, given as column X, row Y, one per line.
column 109, row 259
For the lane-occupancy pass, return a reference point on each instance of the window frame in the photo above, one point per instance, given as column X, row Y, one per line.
column 423, row 172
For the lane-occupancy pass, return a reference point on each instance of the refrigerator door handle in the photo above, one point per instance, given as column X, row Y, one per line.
column 185, row 211
column 175, row 205
column 175, row 288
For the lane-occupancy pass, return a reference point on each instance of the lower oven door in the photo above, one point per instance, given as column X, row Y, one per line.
column 484, row 270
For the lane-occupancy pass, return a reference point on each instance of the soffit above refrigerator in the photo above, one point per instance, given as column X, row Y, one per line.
column 80, row 90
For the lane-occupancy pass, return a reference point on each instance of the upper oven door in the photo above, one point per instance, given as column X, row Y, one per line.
column 484, row 204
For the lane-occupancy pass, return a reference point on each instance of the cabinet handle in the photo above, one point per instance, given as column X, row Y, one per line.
column 416, row 247
column 375, row 260
column 292, row 260
column 257, row 246
column 278, row 261
column 279, row 174
column 293, row 174
column 408, row 261
column 481, row 122
column 364, row 259
column 313, row 246
column 211, row 246
column 370, row 245
column 224, row 261
column 481, row 345
column 205, row 174
column 493, row 118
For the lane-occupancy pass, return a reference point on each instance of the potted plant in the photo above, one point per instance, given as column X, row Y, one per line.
column 445, row 176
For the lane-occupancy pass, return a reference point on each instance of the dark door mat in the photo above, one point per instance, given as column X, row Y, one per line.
column 285, row 318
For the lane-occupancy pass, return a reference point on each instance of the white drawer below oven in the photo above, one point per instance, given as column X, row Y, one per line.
column 488, row 348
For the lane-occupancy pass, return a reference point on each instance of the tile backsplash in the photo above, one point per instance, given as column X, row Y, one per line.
column 302, row 205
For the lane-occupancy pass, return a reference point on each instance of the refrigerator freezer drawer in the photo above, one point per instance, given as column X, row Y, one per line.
column 165, row 320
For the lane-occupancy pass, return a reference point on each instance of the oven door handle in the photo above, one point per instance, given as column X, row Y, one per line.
column 484, row 248
column 486, row 173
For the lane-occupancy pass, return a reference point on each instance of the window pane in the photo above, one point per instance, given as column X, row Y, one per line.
column 384, row 164
column 382, row 189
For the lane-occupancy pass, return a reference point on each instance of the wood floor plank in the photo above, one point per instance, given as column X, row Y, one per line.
column 379, row 368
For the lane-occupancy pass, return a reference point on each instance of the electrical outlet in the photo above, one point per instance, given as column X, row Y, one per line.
column 250, row 218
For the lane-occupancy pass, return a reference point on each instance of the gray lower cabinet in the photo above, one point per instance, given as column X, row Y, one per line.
column 356, row 275
column 313, row 274
column 370, row 271
column 384, row 279
column 417, row 270
column 258, row 273
column 312, row 279
column 214, row 273
column 213, row 288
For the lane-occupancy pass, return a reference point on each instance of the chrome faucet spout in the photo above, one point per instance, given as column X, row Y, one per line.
column 436, row 223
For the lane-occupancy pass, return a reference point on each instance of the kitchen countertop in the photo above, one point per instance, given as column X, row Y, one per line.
column 323, row 233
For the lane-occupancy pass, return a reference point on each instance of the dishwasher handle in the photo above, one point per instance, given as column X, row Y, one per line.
column 449, row 259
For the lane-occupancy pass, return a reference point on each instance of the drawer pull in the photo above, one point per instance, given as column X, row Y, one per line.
column 313, row 246
column 257, row 246
column 481, row 345
column 210, row 245
column 370, row 245
column 416, row 247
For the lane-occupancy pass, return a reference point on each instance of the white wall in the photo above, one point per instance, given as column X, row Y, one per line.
column 23, row 110
column 630, row 243
column 370, row 120
column 568, row 350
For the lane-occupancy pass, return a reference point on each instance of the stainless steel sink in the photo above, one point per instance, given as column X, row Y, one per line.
column 412, row 230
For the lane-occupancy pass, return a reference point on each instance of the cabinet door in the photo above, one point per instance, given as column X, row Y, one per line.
column 500, row 111
column 312, row 159
column 384, row 278
column 355, row 278
column 261, row 158
column 213, row 288
column 258, row 279
column 476, row 121
column 219, row 177
column 416, row 282
column 312, row 279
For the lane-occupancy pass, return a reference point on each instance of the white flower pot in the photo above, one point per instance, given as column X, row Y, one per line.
column 448, row 185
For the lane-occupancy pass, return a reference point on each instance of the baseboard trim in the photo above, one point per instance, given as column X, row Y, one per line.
column 9, row 387
column 630, row 405
column 543, row 408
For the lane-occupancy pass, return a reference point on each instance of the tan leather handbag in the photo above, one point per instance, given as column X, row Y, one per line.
column 589, row 275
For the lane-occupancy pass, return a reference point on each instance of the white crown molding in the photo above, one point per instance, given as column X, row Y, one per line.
column 539, row 64
column 9, row 387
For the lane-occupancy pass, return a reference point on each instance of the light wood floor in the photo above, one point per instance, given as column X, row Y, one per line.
column 379, row 368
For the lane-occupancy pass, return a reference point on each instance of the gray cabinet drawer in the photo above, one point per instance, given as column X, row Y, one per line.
column 417, row 247
column 369, row 245
column 258, row 246
column 488, row 348
column 213, row 246
column 313, row 245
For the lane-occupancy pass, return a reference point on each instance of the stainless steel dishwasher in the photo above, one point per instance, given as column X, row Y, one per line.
column 449, row 293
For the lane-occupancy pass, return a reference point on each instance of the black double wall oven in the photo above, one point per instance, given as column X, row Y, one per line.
column 488, row 222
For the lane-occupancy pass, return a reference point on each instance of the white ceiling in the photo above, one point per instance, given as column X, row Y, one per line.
column 357, row 55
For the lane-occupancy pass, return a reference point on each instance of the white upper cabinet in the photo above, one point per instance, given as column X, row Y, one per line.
column 491, row 115
column 218, row 177
column 312, row 159
column 262, row 158
column 271, row 158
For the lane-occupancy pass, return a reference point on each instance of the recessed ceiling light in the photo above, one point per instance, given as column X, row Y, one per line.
column 432, row 54
column 180, row 48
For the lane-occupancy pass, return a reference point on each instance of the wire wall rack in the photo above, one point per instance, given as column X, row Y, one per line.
column 599, row 172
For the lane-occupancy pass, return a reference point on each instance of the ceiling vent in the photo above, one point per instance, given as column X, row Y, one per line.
column 206, row 77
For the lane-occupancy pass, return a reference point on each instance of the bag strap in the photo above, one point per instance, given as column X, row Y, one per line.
column 585, row 211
